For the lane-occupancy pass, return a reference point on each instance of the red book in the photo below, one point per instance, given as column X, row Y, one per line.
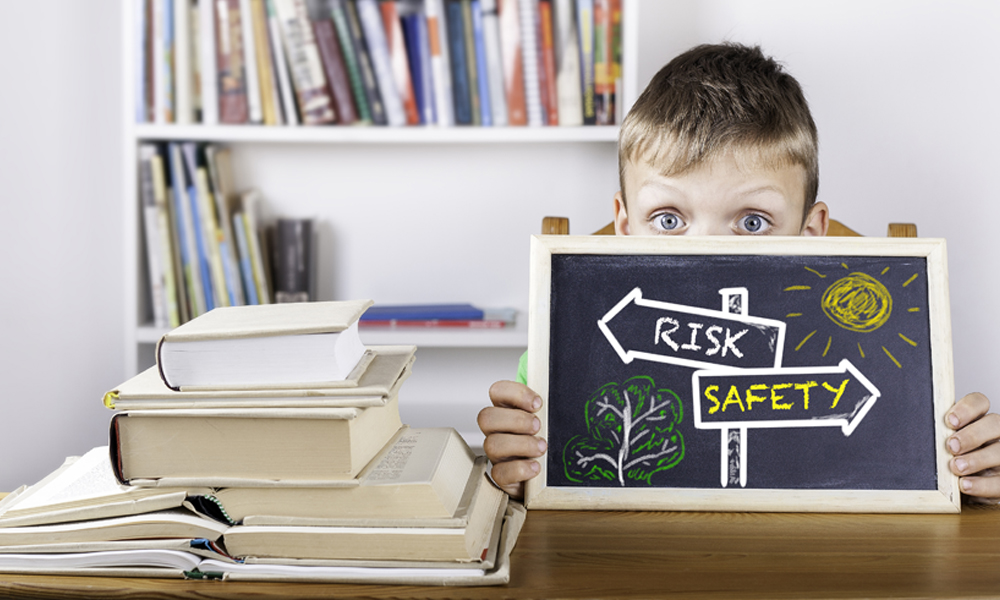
column 233, row 107
column 547, row 58
column 336, row 70
column 513, row 67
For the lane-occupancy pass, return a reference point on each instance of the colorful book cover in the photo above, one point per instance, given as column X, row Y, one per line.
column 378, row 50
column 376, row 104
column 184, row 222
column 513, row 61
column 437, row 40
column 411, row 312
column 338, row 14
column 336, row 70
column 419, row 53
column 399, row 61
column 233, row 108
column 547, row 56
column 314, row 102
column 604, row 80
column 201, row 230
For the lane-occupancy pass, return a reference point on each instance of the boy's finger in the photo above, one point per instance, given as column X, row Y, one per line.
column 974, row 435
column 507, row 420
column 511, row 475
column 967, row 410
column 502, row 447
column 978, row 462
column 985, row 489
column 510, row 394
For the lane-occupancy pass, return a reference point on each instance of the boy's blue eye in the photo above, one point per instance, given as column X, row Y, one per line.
column 669, row 221
column 753, row 223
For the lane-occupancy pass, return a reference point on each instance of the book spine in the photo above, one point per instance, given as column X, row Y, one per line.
column 150, row 213
column 183, row 72
column 604, row 83
column 149, row 66
column 616, row 59
column 550, row 94
column 528, row 12
column 376, row 103
column 160, row 66
column 567, row 65
column 140, row 18
column 186, row 232
column 233, row 107
column 168, row 245
column 222, row 211
column 437, row 35
column 207, row 63
column 494, row 61
column 338, row 13
column 470, row 63
column 436, row 323
column 399, row 61
column 459, row 70
column 289, row 111
column 201, row 231
column 585, row 30
column 253, row 235
column 482, row 73
column 336, row 70
column 246, row 268
column 419, row 53
column 314, row 102
column 254, row 105
column 378, row 49
column 265, row 66
column 513, row 63
column 293, row 279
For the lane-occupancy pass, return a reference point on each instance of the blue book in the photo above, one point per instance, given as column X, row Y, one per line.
column 459, row 67
column 419, row 54
column 413, row 312
column 249, row 288
column 199, row 228
column 485, row 109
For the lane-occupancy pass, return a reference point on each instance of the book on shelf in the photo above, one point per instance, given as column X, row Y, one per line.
column 208, row 233
column 234, row 105
column 457, row 51
column 585, row 30
column 475, row 12
column 255, row 111
column 207, row 79
column 570, row 96
column 381, row 380
column 418, row 57
column 249, row 447
column 157, row 241
column 183, row 63
column 289, row 114
column 370, row 18
column 513, row 62
column 348, row 11
column 293, row 249
column 604, row 72
column 296, row 345
column 437, row 38
column 461, row 311
column 494, row 61
column 184, row 223
column 222, row 189
column 338, row 14
column 246, row 216
column 266, row 65
column 399, row 61
column 528, row 14
column 547, row 62
column 334, row 65
column 471, row 61
column 306, row 68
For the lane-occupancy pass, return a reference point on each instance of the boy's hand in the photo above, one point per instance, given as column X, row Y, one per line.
column 974, row 446
column 510, row 429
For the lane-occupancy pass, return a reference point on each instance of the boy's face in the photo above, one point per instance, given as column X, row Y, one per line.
column 717, row 198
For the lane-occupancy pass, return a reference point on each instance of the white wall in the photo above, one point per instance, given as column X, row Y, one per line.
column 904, row 94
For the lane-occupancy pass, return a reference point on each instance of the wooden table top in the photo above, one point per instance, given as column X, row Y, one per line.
column 578, row 554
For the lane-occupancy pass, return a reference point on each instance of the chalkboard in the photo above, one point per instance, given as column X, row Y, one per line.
column 775, row 374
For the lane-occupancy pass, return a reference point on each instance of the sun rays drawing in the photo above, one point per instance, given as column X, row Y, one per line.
column 856, row 305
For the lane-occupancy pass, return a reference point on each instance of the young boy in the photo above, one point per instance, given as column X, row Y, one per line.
column 721, row 142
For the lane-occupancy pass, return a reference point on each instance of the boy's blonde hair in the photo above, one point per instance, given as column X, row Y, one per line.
column 715, row 99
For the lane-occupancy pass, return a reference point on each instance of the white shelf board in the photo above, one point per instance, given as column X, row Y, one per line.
column 374, row 135
column 513, row 337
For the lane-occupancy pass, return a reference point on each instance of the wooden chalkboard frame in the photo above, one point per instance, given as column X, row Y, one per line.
column 945, row 499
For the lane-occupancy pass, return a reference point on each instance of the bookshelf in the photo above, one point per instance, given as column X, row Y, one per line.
column 406, row 215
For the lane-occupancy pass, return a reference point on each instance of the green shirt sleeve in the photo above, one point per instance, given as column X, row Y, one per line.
column 522, row 369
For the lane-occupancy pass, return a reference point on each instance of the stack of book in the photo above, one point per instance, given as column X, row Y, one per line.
column 382, row 62
column 267, row 443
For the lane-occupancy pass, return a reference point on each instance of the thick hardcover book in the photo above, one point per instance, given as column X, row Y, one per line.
column 233, row 107
column 399, row 61
column 289, row 107
column 568, row 64
column 387, row 367
column 461, row 85
column 308, row 79
column 336, row 70
column 376, row 104
column 437, row 38
column 550, row 93
column 249, row 447
column 370, row 18
column 267, row 346
column 418, row 52
column 513, row 61
column 585, row 30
